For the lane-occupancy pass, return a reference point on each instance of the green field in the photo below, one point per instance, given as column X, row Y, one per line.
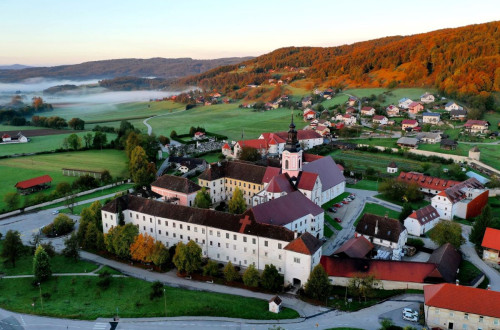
column 337, row 99
column 377, row 210
column 22, row 168
column 383, row 142
column 4, row 128
column 332, row 222
column 79, row 297
column 227, row 119
column 365, row 185
column 106, row 112
column 398, row 93
column 42, row 143
column 415, row 205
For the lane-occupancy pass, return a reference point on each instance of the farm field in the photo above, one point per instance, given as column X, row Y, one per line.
column 383, row 142
column 489, row 152
column 4, row 128
column 79, row 297
column 93, row 113
column 397, row 94
column 22, row 168
column 338, row 99
column 41, row 143
column 227, row 119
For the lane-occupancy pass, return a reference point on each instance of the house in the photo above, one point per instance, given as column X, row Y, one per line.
column 381, row 120
column 356, row 247
column 449, row 306
column 448, row 144
column 293, row 211
column 367, row 111
column 175, row 189
column 262, row 146
column 452, row 106
column 19, row 138
column 392, row 167
column 382, row 231
column 221, row 236
column 322, row 130
column 447, row 260
column 409, row 124
column 32, row 185
column 427, row 98
column 347, row 119
column 352, row 101
column 422, row 220
column 404, row 103
column 464, row 200
column 407, row 142
column 275, row 304
column 186, row 164
column 427, row 184
column 431, row 118
column 415, row 107
column 392, row 111
column 351, row 110
column 6, row 137
column 307, row 139
column 309, row 114
column 476, row 126
column 429, row 137
column 491, row 245
column 458, row 114
column 306, row 101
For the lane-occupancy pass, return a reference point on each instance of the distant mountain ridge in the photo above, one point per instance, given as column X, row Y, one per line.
column 14, row 67
column 107, row 69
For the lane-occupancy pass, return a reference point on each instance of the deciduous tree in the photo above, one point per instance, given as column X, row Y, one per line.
column 142, row 248
column 447, row 232
column 318, row 285
column 237, row 204
column 41, row 265
column 159, row 255
column 230, row 273
column 71, row 248
column 211, row 268
column 12, row 199
column 270, row 279
column 251, row 276
column 76, row 124
column 202, row 199
column 12, row 247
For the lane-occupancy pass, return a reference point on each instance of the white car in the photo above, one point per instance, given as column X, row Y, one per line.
column 408, row 310
column 410, row 317
column 55, row 212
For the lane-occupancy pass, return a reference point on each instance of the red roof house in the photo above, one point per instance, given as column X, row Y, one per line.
column 34, row 184
column 491, row 245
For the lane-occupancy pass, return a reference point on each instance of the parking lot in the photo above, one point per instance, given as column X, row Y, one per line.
column 396, row 315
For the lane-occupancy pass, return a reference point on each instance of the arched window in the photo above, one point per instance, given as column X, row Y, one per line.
column 286, row 164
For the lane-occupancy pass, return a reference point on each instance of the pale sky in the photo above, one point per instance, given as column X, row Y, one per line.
column 52, row 32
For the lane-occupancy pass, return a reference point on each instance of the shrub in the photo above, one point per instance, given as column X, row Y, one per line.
column 416, row 242
column 61, row 225
column 156, row 290
column 104, row 280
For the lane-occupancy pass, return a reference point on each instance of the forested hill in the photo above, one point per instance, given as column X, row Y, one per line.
column 153, row 67
column 463, row 60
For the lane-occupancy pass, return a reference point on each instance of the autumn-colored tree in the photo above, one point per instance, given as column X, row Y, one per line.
column 142, row 248
column 202, row 199
column 159, row 255
column 37, row 103
column 76, row 124
column 237, row 204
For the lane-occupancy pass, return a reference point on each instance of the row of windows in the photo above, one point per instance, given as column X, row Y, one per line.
column 468, row 317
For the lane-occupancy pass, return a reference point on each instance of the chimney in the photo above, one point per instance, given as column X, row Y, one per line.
column 457, row 282
column 376, row 228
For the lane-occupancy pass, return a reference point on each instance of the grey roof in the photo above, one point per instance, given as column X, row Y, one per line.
column 478, row 177
column 329, row 173
column 432, row 114
column 283, row 210
column 458, row 112
column 407, row 140
column 428, row 135
column 447, row 259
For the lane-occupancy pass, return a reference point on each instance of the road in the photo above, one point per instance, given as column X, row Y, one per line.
column 366, row 319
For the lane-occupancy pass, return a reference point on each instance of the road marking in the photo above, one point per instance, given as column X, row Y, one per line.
column 100, row 326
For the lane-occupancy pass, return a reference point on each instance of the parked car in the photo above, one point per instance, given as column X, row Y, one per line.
column 338, row 220
column 55, row 212
column 352, row 196
column 345, row 202
column 338, row 205
column 410, row 317
column 407, row 310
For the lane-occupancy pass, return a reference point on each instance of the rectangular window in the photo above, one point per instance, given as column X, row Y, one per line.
column 279, row 245
column 173, row 224
column 196, row 239
column 211, row 243
column 234, row 237
column 218, row 255
column 181, row 236
column 227, row 235
column 189, row 228
column 159, row 222
column 131, row 214
column 195, row 229
column 254, row 241
column 166, row 223
column 218, row 234
column 466, row 316
column 166, row 233
column 159, row 232
column 180, row 225
column 151, row 229
column 105, row 215
column 137, row 216
column 279, row 257
column 227, row 245
column 265, row 243
column 203, row 231
column 244, row 239
column 218, row 244
column 210, row 232
column 245, row 262
column 481, row 319
column 296, row 260
column 253, row 251
column 144, row 227
column 189, row 238
column 203, row 241
column 175, row 235
column 150, row 220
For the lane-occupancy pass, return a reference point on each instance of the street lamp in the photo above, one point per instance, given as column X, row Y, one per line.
column 165, row 299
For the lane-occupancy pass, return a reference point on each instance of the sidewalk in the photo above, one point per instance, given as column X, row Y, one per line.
column 171, row 279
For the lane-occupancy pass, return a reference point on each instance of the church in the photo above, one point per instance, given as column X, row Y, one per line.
column 316, row 177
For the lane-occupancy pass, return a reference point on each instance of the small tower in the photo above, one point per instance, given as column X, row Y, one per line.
column 392, row 167
column 291, row 161
column 474, row 153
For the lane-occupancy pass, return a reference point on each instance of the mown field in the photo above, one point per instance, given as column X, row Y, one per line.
column 18, row 169
column 41, row 143
column 79, row 297
column 397, row 94
column 377, row 210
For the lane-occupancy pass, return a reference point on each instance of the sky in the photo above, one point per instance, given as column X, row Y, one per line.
column 54, row 32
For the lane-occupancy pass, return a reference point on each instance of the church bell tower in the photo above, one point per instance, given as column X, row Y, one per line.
column 291, row 161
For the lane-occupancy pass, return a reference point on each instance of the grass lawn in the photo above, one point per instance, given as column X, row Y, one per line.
column 337, row 99
column 397, row 94
column 339, row 293
column 60, row 264
column 383, row 142
column 81, row 298
column 42, row 143
column 415, row 205
column 100, row 193
column 365, row 185
column 335, row 200
column 467, row 272
column 332, row 222
column 17, row 128
column 110, row 270
column 100, row 113
column 211, row 157
column 327, row 231
column 494, row 202
column 227, row 119
column 22, row 168
column 377, row 210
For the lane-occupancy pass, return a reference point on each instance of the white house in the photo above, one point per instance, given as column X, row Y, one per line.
column 404, row 103
column 348, row 119
column 392, row 111
column 392, row 167
column 175, row 189
column 452, row 106
column 222, row 236
column 431, row 118
column 422, row 220
column 429, row 137
column 367, row 111
column 381, row 120
column 427, row 98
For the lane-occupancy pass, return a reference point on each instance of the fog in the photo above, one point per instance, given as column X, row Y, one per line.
column 89, row 95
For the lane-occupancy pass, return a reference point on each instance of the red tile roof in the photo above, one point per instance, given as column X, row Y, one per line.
column 304, row 244
column 255, row 143
column 388, row 270
column 356, row 247
column 307, row 112
column 302, row 134
column 471, row 122
column 307, row 158
column 367, row 108
column 463, row 298
column 379, row 117
column 307, row 180
column 426, row 182
column 280, row 183
column 33, row 182
column 176, row 183
column 409, row 122
column 5, row 136
column 270, row 136
column 226, row 146
column 491, row 239
column 270, row 173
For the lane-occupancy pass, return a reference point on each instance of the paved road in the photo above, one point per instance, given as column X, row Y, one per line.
column 150, row 129
column 365, row 319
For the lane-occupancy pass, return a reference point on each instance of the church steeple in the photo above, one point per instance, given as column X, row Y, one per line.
column 292, row 143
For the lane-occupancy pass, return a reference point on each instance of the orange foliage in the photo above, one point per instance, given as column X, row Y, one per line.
column 142, row 248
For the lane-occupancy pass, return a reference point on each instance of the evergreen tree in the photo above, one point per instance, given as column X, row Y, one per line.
column 12, row 247
column 71, row 247
column 230, row 273
column 270, row 279
column 41, row 265
column 318, row 285
column 405, row 212
column 483, row 221
column 237, row 204
column 202, row 199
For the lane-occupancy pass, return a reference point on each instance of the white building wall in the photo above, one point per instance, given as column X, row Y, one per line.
column 443, row 206
column 413, row 226
column 298, row 267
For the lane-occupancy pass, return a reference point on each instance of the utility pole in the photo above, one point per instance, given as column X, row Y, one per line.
column 41, row 300
column 165, row 298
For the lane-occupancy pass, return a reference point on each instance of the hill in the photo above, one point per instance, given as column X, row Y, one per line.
column 462, row 62
column 153, row 67
column 14, row 67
